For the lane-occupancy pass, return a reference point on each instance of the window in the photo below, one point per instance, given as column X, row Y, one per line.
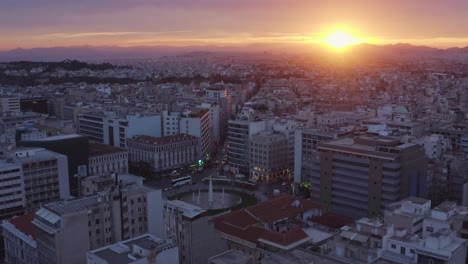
column 429, row 229
column 393, row 246
column 403, row 250
column 411, row 251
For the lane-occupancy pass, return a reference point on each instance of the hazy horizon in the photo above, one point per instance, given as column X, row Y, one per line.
column 51, row 23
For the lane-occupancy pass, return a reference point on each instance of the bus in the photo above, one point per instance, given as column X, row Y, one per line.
column 182, row 180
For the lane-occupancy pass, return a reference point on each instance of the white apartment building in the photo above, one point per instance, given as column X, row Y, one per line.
column 9, row 104
column 440, row 247
column 197, row 122
column 215, row 112
column 408, row 213
column 45, row 175
column 144, row 249
column 12, row 198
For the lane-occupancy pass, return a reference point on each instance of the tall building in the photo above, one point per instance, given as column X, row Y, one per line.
column 306, row 156
column 361, row 176
column 66, row 230
column 74, row 146
column 111, row 129
column 45, row 175
column 288, row 128
column 269, row 156
column 164, row 153
column 145, row 249
column 197, row 122
column 178, row 217
column 9, row 104
column 215, row 113
column 220, row 96
column 239, row 140
column 193, row 232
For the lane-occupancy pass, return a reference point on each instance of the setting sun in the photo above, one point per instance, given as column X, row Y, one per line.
column 340, row 39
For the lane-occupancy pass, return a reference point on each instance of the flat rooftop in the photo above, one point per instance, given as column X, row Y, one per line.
column 190, row 210
column 59, row 137
column 231, row 257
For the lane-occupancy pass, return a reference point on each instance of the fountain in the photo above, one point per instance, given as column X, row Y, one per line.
column 211, row 199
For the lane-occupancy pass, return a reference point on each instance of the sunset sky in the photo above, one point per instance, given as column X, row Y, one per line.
column 46, row 23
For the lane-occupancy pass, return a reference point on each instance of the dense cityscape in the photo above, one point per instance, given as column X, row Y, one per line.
column 251, row 148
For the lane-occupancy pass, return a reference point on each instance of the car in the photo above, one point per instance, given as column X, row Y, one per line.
column 284, row 183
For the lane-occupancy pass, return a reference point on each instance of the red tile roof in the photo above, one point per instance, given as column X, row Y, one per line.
column 248, row 224
column 23, row 224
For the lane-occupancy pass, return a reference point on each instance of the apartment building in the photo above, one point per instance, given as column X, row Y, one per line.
column 45, row 175
column 306, row 156
column 9, row 104
column 197, row 122
column 269, row 157
column 12, row 199
column 95, row 221
column 239, row 141
column 179, row 219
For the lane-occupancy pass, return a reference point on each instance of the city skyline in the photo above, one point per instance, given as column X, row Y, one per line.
column 49, row 23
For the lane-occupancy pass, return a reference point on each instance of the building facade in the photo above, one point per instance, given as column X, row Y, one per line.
column 361, row 176
column 12, row 198
column 269, row 157
column 9, row 104
column 105, row 159
column 111, row 129
column 95, row 221
column 19, row 239
column 45, row 175
column 197, row 123
column 164, row 153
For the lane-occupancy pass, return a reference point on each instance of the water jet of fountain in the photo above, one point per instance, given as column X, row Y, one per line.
column 210, row 194
column 222, row 198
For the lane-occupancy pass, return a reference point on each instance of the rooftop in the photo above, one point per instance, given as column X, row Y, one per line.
column 231, row 257
column 189, row 210
column 248, row 224
column 24, row 224
column 122, row 253
column 99, row 149
column 59, row 137
column 162, row 140
column 73, row 205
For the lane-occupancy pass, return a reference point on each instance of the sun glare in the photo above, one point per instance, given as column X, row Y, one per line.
column 340, row 39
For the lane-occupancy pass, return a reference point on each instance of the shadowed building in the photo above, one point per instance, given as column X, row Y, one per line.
column 361, row 176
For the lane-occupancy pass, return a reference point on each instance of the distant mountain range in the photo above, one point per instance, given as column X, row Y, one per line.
column 139, row 52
